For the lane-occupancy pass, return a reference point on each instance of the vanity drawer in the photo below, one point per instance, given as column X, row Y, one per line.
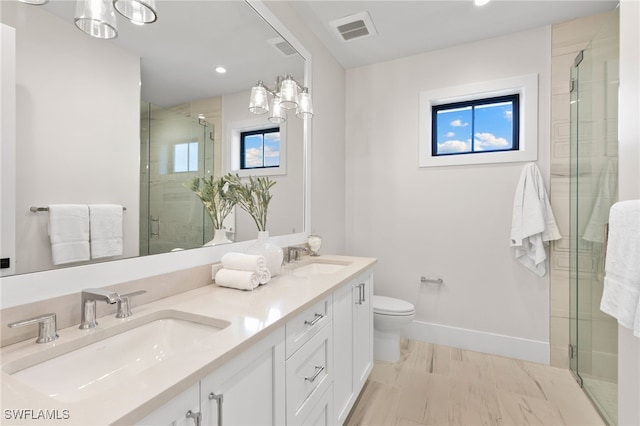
column 308, row 376
column 306, row 325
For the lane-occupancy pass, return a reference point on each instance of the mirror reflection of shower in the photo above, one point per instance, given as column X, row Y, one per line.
column 177, row 144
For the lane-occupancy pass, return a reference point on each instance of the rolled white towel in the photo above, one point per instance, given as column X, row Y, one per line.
column 265, row 276
column 244, row 262
column 241, row 280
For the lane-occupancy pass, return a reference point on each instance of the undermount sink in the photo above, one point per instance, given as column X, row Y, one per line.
column 317, row 268
column 114, row 361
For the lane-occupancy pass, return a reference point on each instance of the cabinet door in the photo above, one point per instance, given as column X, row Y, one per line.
column 250, row 389
column 343, row 390
column 362, row 331
column 174, row 412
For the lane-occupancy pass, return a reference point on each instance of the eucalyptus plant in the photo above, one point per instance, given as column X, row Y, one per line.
column 253, row 197
column 216, row 195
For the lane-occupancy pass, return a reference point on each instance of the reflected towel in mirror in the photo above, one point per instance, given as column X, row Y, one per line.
column 69, row 233
column 106, row 230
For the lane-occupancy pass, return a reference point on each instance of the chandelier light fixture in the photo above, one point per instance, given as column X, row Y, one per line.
column 139, row 12
column 288, row 94
column 98, row 19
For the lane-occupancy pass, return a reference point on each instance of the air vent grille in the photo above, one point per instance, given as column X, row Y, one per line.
column 282, row 46
column 354, row 27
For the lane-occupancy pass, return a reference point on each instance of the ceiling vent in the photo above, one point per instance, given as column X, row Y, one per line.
column 282, row 46
column 354, row 26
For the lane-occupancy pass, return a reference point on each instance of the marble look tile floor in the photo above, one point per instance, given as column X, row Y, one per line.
column 439, row 385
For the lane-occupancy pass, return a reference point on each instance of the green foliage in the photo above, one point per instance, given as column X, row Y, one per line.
column 252, row 196
column 216, row 196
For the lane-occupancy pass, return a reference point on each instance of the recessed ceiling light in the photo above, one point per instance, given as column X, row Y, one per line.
column 480, row 2
column 221, row 70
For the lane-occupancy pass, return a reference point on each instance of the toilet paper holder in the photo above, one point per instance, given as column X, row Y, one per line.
column 424, row 279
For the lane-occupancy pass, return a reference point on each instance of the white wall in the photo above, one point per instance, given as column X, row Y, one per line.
column 629, row 189
column 449, row 222
column 60, row 85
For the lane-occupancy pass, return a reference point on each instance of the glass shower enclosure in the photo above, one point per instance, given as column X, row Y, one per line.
column 175, row 148
column 594, row 178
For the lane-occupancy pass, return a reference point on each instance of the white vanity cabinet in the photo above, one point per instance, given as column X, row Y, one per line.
column 174, row 413
column 249, row 389
column 309, row 369
column 353, row 342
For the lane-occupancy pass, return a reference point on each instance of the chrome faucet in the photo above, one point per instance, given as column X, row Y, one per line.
column 296, row 250
column 88, row 307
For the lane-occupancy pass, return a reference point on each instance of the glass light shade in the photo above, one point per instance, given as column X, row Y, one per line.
column 258, row 102
column 277, row 114
column 96, row 18
column 35, row 2
column 137, row 11
column 288, row 93
column 305, row 107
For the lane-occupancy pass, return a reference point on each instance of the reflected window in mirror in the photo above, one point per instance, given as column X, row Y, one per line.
column 185, row 157
column 260, row 149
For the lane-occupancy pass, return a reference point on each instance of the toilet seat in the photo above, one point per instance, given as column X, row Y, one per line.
column 383, row 305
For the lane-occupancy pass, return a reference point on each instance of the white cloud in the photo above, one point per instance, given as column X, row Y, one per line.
column 270, row 152
column 458, row 123
column 253, row 157
column 508, row 115
column 488, row 141
column 454, row 146
column 450, row 134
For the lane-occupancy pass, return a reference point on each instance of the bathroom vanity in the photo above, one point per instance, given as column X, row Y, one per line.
column 295, row 351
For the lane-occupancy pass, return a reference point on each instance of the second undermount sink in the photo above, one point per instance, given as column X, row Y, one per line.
column 111, row 363
column 317, row 267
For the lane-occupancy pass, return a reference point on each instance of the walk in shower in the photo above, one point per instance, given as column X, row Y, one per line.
column 175, row 148
column 594, row 178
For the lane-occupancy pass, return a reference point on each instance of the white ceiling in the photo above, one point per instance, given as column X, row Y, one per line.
column 410, row 27
column 191, row 38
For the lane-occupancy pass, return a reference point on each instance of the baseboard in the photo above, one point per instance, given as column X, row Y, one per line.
column 479, row 341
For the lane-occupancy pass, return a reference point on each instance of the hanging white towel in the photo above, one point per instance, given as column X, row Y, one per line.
column 69, row 233
column 607, row 195
column 621, row 294
column 106, row 230
column 532, row 224
column 241, row 280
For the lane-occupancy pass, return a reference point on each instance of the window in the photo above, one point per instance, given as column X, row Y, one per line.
column 493, row 121
column 481, row 125
column 185, row 157
column 260, row 149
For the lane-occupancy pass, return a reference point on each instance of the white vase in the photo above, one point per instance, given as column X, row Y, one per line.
column 273, row 254
column 219, row 237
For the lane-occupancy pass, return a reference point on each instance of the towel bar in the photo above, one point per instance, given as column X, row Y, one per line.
column 427, row 280
column 35, row 209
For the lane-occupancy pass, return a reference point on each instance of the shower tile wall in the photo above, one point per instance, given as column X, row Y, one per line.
column 568, row 39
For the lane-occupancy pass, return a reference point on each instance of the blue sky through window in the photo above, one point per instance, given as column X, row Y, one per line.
column 262, row 150
column 490, row 123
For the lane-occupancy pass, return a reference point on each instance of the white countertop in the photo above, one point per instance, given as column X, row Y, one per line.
column 251, row 314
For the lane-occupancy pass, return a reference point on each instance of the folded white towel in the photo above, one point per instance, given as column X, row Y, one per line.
column 533, row 224
column 106, row 230
column 265, row 276
column 621, row 294
column 241, row 280
column 69, row 233
column 244, row 262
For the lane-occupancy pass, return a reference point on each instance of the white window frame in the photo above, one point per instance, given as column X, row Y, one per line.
column 526, row 86
column 233, row 153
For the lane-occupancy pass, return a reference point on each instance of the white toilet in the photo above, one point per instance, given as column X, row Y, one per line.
column 390, row 316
